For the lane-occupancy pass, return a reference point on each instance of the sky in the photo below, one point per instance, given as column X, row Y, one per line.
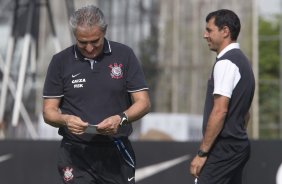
column 268, row 7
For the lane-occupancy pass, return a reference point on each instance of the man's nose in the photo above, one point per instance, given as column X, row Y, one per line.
column 205, row 34
column 89, row 47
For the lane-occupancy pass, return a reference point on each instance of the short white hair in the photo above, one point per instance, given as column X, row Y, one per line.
column 90, row 16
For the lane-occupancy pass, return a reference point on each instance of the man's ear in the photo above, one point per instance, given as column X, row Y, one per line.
column 105, row 31
column 226, row 32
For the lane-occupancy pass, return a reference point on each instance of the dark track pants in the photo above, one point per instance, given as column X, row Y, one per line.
column 225, row 162
column 95, row 163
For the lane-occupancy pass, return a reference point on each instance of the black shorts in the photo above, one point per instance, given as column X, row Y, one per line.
column 99, row 162
column 225, row 162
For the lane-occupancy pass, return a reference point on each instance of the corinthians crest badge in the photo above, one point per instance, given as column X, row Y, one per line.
column 68, row 174
column 116, row 70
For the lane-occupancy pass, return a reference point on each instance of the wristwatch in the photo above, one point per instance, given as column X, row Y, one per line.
column 123, row 119
column 201, row 153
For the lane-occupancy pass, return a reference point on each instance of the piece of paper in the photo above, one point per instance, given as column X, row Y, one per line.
column 91, row 129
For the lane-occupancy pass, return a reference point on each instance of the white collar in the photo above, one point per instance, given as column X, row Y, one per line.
column 228, row 48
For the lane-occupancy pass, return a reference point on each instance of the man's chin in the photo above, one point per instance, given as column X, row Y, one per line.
column 212, row 49
column 89, row 55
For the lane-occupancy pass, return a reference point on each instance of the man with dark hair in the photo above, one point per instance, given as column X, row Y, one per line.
column 93, row 91
column 225, row 148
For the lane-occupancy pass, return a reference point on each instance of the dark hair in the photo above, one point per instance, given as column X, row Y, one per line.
column 227, row 18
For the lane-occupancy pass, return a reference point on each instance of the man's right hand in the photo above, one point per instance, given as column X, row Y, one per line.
column 74, row 124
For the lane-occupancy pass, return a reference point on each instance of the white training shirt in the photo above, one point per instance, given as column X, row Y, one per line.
column 226, row 74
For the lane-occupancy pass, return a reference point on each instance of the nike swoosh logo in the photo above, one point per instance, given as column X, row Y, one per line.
column 129, row 179
column 3, row 158
column 151, row 170
column 75, row 75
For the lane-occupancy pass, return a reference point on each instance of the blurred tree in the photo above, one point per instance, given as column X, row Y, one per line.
column 148, row 56
column 149, row 50
column 269, row 78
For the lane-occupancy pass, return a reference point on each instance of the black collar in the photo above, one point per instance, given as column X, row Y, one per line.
column 106, row 50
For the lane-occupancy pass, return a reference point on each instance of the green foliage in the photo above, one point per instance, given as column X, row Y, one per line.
column 269, row 78
column 149, row 56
